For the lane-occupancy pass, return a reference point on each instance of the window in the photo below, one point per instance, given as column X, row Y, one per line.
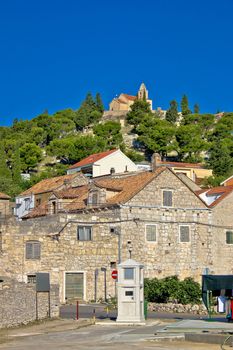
column 129, row 273
column 229, row 237
column 84, row 233
column 27, row 203
column 113, row 265
column 32, row 250
column 184, row 234
column 167, row 198
column 151, row 233
column 31, row 279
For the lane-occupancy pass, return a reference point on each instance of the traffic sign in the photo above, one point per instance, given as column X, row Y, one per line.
column 114, row 274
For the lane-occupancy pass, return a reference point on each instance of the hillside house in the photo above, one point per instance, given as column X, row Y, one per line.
column 194, row 171
column 40, row 192
column 170, row 228
column 104, row 163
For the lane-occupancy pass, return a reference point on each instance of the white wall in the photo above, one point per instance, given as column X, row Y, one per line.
column 24, row 205
column 116, row 160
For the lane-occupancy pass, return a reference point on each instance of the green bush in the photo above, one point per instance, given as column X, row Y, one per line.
column 171, row 289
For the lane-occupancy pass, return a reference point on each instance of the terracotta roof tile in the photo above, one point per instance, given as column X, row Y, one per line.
column 92, row 159
column 180, row 164
column 130, row 97
column 48, row 185
column 4, row 196
column 68, row 193
column 130, row 185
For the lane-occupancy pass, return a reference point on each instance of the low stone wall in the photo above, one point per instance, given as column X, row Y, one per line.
column 178, row 308
column 18, row 303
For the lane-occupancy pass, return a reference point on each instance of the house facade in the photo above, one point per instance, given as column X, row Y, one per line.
column 168, row 227
column 40, row 192
column 104, row 163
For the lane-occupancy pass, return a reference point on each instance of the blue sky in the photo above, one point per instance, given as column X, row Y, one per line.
column 53, row 52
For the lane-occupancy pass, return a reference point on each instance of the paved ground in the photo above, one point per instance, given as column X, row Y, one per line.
column 164, row 333
column 96, row 337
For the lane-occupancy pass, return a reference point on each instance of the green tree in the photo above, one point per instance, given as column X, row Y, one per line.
column 190, row 143
column 88, row 113
column 220, row 159
column 172, row 112
column 110, row 132
column 139, row 110
column 185, row 106
column 30, row 155
column 4, row 170
column 156, row 134
column 16, row 166
column 196, row 108
column 99, row 103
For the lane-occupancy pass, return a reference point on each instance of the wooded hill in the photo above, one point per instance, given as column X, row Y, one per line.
column 46, row 145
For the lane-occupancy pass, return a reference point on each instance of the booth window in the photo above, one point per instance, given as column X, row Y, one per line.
column 151, row 233
column 128, row 273
column 33, row 250
column 229, row 237
column 84, row 233
column 184, row 234
column 167, row 198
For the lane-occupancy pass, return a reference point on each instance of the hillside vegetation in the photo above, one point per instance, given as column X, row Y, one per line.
column 46, row 145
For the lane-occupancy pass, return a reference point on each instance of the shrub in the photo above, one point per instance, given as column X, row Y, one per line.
column 170, row 289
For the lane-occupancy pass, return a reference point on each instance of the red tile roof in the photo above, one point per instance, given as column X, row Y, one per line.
column 130, row 97
column 4, row 196
column 221, row 191
column 48, row 185
column 180, row 164
column 92, row 159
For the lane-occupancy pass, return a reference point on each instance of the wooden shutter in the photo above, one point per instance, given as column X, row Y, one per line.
column 151, row 233
column 184, row 234
column 167, row 198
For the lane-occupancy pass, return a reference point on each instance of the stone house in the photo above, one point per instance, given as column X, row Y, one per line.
column 40, row 192
column 104, row 163
column 168, row 226
column 5, row 208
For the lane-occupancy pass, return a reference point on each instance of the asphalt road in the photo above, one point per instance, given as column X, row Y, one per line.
column 100, row 312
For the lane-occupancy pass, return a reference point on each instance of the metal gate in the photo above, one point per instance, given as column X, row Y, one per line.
column 74, row 286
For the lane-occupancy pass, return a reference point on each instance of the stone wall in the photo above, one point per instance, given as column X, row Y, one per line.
column 178, row 308
column 18, row 303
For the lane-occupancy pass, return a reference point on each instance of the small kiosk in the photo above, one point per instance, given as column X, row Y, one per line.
column 130, row 292
column 220, row 286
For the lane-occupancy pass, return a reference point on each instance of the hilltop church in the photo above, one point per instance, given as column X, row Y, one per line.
column 124, row 101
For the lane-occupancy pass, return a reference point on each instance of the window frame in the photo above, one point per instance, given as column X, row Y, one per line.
column 167, row 190
column 229, row 231
column 34, row 244
column 189, row 241
column 156, row 233
column 85, row 227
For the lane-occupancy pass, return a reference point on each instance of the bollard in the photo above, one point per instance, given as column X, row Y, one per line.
column 77, row 310
column 93, row 317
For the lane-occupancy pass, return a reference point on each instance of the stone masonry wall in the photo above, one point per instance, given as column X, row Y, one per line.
column 18, row 303
column 62, row 252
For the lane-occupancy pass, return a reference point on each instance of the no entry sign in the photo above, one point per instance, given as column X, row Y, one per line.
column 114, row 274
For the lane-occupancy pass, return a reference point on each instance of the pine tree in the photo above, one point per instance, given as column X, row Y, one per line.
column 172, row 112
column 4, row 170
column 185, row 106
column 16, row 166
column 196, row 108
column 99, row 103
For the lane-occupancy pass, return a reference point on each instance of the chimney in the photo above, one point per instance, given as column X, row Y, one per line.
column 155, row 161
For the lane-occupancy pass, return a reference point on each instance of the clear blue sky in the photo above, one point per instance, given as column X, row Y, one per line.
column 54, row 51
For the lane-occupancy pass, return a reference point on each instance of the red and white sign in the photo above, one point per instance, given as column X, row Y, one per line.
column 114, row 274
